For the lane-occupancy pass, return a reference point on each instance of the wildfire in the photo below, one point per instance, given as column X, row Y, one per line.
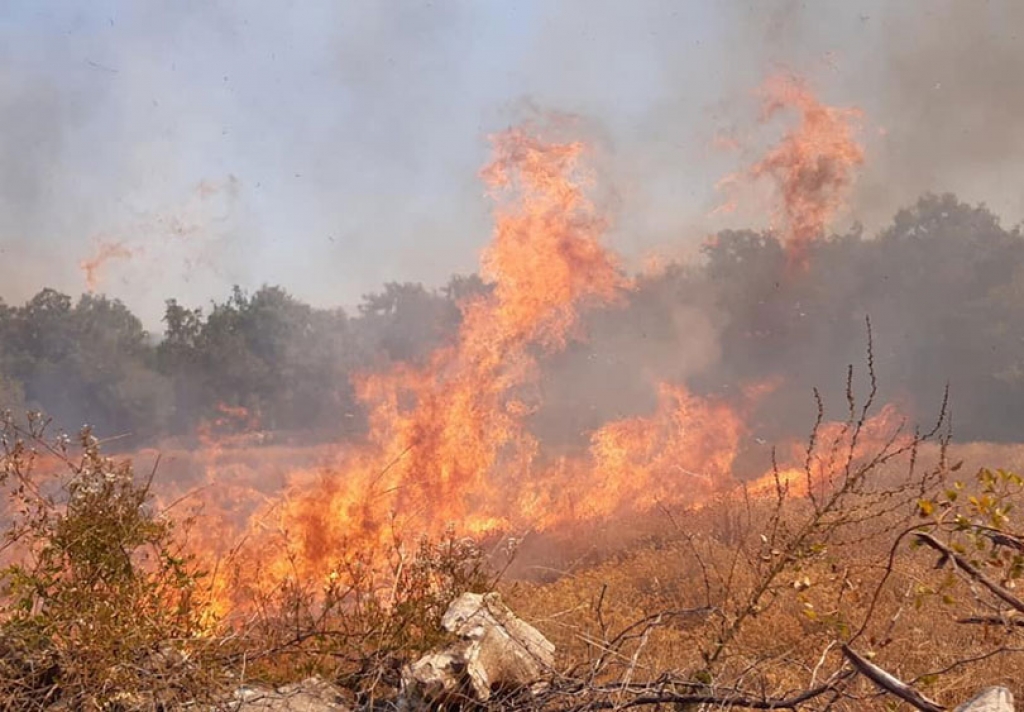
column 812, row 166
column 105, row 252
column 449, row 442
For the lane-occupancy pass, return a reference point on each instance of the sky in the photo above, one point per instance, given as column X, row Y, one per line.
column 329, row 146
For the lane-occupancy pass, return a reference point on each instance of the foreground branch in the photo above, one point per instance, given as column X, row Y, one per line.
column 735, row 700
column 972, row 571
column 889, row 683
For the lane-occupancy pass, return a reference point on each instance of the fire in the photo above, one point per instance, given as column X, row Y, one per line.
column 105, row 252
column 813, row 165
column 214, row 433
column 448, row 441
column 836, row 446
column 680, row 454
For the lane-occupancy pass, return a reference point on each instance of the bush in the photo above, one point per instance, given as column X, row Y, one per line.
column 104, row 609
column 100, row 603
column 376, row 610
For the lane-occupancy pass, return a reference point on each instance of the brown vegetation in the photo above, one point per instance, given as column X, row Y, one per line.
column 773, row 598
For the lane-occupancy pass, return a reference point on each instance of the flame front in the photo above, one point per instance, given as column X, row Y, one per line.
column 449, row 442
column 678, row 455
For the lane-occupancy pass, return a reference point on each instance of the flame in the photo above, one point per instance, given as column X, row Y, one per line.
column 813, row 165
column 105, row 252
column 837, row 444
column 448, row 441
column 680, row 454
column 215, row 433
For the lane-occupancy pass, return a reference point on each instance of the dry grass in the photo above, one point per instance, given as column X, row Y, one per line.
column 913, row 629
column 742, row 597
column 780, row 647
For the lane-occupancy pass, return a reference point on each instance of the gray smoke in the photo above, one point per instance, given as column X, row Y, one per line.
column 342, row 141
column 950, row 102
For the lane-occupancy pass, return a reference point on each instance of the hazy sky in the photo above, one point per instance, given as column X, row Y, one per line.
column 328, row 146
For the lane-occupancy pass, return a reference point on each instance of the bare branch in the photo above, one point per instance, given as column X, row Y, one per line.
column 972, row 571
column 889, row 683
column 730, row 701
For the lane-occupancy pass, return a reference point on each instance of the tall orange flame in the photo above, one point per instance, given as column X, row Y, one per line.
column 448, row 441
column 813, row 164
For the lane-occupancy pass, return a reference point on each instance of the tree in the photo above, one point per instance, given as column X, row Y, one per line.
column 406, row 322
column 88, row 362
column 285, row 362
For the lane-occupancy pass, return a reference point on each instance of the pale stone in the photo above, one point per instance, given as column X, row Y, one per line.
column 312, row 695
column 496, row 651
column 991, row 699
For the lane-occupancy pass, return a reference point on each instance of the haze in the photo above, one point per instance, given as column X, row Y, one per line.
column 330, row 147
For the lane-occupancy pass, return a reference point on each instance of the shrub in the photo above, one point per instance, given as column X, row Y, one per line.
column 100, row 605
column 376, row 610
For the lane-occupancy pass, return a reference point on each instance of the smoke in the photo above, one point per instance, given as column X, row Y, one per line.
column 355, row 132
column 343, row 144
column 36, row 113
column 949, row 103
column 666, row 333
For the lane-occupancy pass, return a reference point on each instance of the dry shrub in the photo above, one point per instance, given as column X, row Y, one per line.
column 102, row 606
column 376, row 610
column 99, row 600
column 104, row 609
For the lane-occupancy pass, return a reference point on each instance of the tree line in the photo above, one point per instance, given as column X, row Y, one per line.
column 943, row 285
column 287, row 363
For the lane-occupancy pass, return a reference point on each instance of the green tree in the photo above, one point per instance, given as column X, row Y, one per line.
column 89, row 362
column 284, row 361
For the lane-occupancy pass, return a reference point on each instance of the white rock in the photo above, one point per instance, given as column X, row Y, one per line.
column 991, row 699
column 312, row 695
column 496, row 651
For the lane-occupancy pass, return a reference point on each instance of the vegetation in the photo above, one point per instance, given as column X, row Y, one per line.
column 104, row 607
column 100, row 601
column 882, row 574
column 285, row 362
column 875, row 577
column 944, row 283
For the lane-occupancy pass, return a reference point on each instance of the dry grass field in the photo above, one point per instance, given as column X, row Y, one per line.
column 754, row 597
